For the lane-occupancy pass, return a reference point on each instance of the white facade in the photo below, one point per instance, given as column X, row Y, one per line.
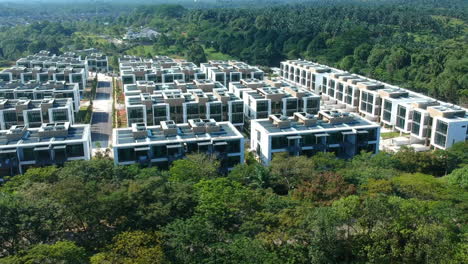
column 161, row 145
column 344, row 134
column 401, row 109
column 51, row 144
column 39, row 91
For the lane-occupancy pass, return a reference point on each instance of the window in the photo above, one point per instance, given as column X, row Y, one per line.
column 233, row 146
column 215, row 109
column 192, row 109
column 9, row 116
column 237, row 107
column 76, row 150
column 159, row 151
column 279, row 142
column 28, row 154
column 308, row 139
column 159, row 111
column 262, row 106
column 387, row 113
column 34, row 116
column 416, row 122
column 135, row 113
column 60, row 115
column 126, row 155
column 401, row 116
column 440, row 136
column 237, row 118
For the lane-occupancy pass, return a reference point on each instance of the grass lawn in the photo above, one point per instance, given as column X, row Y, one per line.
column 212, row 54
column 388, row 135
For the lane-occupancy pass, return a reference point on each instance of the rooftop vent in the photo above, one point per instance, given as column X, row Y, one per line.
column 280, row 121
column 169, row 128
column 305, row 119
column 16, row 132
column 139, row 130
column 203, row 125
column 49, row 130
column 334, row 117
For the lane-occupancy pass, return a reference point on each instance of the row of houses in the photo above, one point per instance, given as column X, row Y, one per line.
column 227, row 96
column 162, row 69
column 429, row 121
column 175, row 108
column 44, row 67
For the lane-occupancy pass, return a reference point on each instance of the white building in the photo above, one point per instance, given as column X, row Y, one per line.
column 51, row 144
column 161, row 145
column 180, row 106
column 342, row 133
column 39, row 74
column 97, row 62
column 33, row 113
column 39, row 91
column 398, row 108
column 230, row 71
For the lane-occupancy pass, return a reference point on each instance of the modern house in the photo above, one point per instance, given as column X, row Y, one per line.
column 401, row 109
column 51, row 144
column 230, row 71
column 38, row 91
column 39, row 74
column 161, row 145
column 262, row 100
column 180, row 106
column 33, row 113
column 97, row 62
column 342, row 133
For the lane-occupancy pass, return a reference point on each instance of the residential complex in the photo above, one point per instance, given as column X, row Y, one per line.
column 264, row 98
column 426, row 120
column 33, row 113
column 45, row 59
column 179, row 106
column 230, row 71
column 304, row 134
column 97, row 62
column 159, row 70
column 38, row 91
column 161, row 145
column 51, row 144
column 39, row 74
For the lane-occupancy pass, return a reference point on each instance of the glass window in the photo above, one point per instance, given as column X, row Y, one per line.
column 126, row 155
column 135, row 113
column 441, row 127
column 60, row 115
column 279, row 142
column 34, row 116
column 233, row 146
column 28, row 154
column 159, row 151
column 76, row 150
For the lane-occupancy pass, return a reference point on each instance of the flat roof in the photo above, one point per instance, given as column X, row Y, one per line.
column 155, row 135
column 320, row 126
column 31, row 137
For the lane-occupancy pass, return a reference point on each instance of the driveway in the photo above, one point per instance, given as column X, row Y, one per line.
column 101, row 122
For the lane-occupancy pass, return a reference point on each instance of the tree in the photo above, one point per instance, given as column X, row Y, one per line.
column 324, row 188
column 61, row 252
column 459, row 177
column 136, row 247
column 196, row 54
column 194, row 168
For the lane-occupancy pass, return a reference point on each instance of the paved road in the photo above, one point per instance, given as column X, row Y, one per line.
column 101, row 123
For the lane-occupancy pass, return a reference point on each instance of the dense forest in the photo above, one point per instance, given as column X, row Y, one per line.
column 407, row 207
column 421, row 45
